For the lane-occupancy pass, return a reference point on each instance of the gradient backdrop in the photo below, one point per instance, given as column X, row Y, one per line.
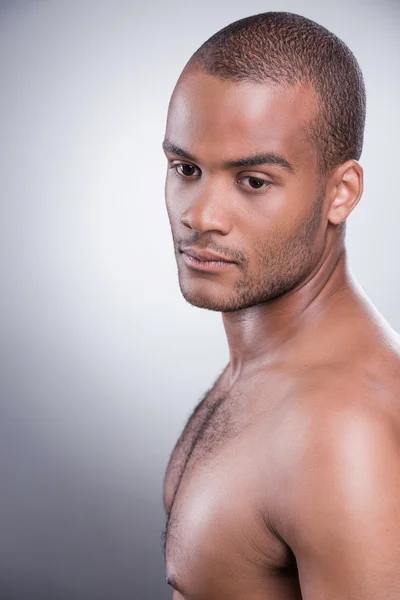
column 101, row 358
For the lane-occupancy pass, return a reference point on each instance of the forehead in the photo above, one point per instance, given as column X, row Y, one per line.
column 218, row 120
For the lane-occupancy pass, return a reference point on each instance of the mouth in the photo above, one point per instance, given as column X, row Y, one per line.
column 205, row 264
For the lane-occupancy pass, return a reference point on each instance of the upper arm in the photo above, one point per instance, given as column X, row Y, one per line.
column 341, row 509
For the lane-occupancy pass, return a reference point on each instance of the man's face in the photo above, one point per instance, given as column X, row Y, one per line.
column 267, row 218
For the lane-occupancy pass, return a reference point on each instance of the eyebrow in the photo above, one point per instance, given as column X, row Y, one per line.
column 263, row 158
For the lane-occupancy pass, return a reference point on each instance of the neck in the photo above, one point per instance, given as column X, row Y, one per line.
column 279, row 328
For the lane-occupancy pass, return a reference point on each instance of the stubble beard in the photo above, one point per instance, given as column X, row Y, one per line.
column 281, row 267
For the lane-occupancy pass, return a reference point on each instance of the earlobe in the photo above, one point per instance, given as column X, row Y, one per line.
column 347, row 190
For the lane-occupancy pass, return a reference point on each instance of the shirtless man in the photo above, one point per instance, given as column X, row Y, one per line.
column 285, row 482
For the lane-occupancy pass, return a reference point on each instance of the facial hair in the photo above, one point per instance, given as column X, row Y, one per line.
column 282, row 263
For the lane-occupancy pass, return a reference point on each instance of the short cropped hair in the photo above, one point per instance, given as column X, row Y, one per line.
column 285, row 49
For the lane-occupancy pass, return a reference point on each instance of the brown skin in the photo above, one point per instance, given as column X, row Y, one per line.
column 292, row 489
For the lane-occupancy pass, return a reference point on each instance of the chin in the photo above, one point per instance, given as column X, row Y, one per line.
column 202, row 300
column 230, row 303
column 230, row 299
column 198, row 294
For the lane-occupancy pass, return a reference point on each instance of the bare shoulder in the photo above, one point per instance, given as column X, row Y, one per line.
column 331, row 412
column 364, row 383
column 337, row 408
column 337, row 468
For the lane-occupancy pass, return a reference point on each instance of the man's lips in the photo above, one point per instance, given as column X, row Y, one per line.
column 205, row 260
column 205, row 255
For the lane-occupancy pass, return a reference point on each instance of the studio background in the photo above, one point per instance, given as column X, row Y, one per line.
column 101, row 358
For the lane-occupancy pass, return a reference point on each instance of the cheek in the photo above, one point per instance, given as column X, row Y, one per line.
column 173, row 219
column 168, row 206
column 175, row 199
column 281, row 212
column 266, row 217
column 268, row 232
column 171, row 204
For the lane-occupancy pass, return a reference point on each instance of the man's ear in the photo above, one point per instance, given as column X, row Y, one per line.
column 345, row 188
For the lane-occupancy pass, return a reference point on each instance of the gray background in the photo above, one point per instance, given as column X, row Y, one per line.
column 101, row 358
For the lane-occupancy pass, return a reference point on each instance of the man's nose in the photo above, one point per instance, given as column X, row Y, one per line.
column 209, row 209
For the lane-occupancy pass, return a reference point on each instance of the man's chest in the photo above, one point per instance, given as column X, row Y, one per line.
column 216, row 480
column 211, row 426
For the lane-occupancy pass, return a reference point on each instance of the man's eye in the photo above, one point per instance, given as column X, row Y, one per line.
column 185, row 169
column 256, row 183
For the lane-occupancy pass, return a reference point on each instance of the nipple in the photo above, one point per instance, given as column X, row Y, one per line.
column 170, row 579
